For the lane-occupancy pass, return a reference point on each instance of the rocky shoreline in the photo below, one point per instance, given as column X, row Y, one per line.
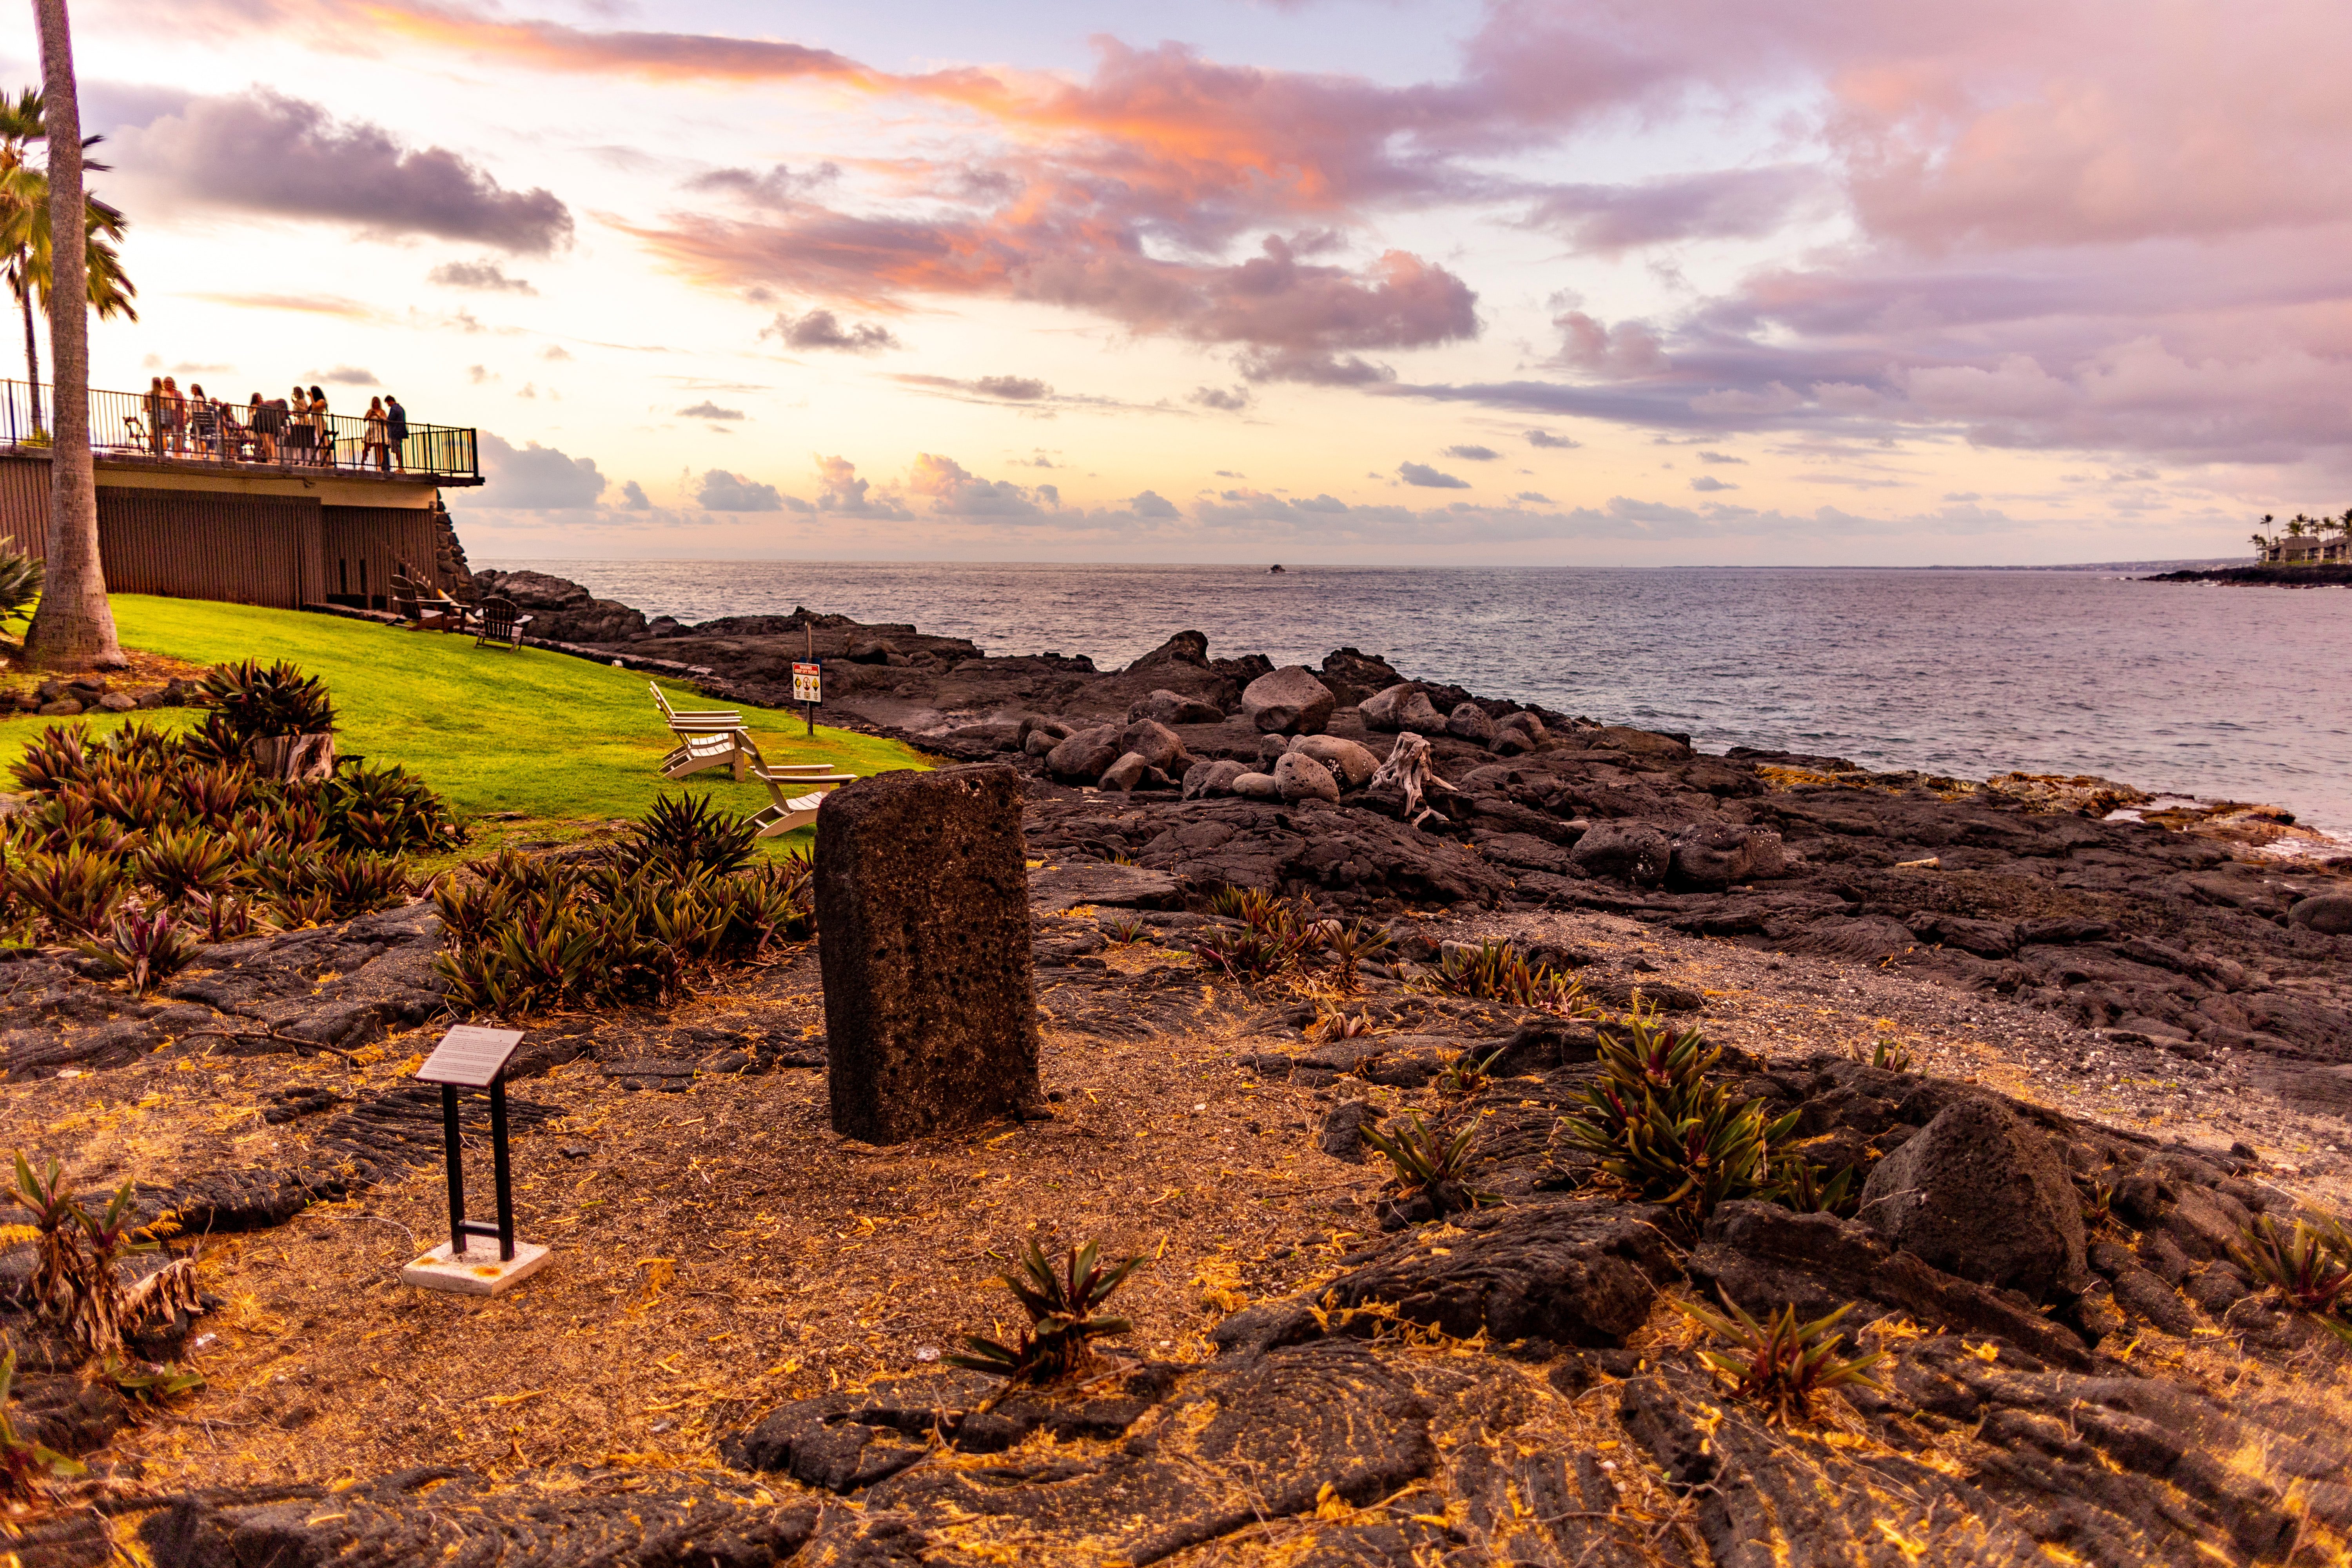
column 2321, row 577
column 2071, row 1060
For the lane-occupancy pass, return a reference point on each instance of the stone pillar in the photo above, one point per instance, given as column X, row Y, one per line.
column 923, row 904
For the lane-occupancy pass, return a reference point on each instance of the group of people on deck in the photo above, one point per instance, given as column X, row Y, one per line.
column 294, row 429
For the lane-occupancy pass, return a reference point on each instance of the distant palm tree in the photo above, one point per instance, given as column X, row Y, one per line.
column 25, row 241
column 2297, row 525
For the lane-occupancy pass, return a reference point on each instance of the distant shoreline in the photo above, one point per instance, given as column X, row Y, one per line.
column 2327, row 577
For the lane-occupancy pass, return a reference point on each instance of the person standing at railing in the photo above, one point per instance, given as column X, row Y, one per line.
column 322, row 434
column 233, row 435
column 203, row 424
column 396, row 420
column 155, row 415
column 300, row 436
column 265, row 420
column 377, row 439
column 175, row 416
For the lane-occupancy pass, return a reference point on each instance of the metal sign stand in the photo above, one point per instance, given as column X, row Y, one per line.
column 473, row 1057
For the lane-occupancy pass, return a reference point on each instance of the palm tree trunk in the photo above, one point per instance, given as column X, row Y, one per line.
column 74, row 627
column 32, row 353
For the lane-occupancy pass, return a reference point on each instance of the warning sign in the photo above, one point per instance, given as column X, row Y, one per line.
column 808, row 683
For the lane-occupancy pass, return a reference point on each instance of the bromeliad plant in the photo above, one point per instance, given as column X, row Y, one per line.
column 2310, row 1266
column 142, row 949
column 1498, row 972
column 1060, row 1301
column 1780, row 1363
column 1428, row 1163
column 1800, row 1184
column 76, row 1276
column 1354, row 943
column 25, row 1464
column 1660, row 1126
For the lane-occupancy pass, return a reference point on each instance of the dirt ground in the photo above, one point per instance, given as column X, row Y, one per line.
column 719, row 1250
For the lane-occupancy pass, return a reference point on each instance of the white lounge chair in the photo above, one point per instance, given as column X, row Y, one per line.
column 716, row 749
column 695, row 721
column 786, row 812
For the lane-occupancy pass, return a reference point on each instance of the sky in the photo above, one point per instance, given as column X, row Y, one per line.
column 1605, row 283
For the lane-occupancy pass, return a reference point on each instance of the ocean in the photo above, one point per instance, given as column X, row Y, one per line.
column 2229, row 693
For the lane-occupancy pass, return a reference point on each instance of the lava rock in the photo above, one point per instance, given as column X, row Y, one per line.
column 1288, row 702
column 1165, row 707
column 1088, row 754
column 1125, row 773
column 1352, row 764
column 1298, row 776
column 1628, row 851
column 929, row 983
column 1341, row 1135
column 1980, row 1194
column 1202, row 780
column 1155, row 742
column 1404, row 708
column 1469, row 722
column 1257, row 786
column 1718, row 854
column 2330, row 914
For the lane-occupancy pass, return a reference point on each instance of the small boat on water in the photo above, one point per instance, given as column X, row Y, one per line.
column 1274, row 568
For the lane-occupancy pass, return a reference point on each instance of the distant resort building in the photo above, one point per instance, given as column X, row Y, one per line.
column 249, row 506
column 2320, row 542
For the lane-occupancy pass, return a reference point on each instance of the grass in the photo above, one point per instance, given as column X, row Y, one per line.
column 564, row 744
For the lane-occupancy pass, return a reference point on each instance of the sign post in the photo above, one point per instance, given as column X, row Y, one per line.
column 470, row 1056
column 808, row 689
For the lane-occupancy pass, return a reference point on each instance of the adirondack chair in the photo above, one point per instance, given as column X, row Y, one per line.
column 696, row 721
column 499, row 626
column 784, row 812
column 698, row 750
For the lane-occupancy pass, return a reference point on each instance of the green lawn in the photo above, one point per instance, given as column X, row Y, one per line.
column 559, row 740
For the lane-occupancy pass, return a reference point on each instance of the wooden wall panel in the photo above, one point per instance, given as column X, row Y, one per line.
column 25, row 506
column 368, row 545
column 197, row 544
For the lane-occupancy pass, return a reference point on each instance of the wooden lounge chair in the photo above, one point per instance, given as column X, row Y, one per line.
column 499, row 625
column 698, row 750
column 696, row 721
column 812, row 782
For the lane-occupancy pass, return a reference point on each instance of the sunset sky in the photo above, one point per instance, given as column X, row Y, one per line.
column 1641, row 282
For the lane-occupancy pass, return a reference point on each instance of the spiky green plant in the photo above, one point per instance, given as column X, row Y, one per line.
column 1427, row 1162
column 57, row 756
column 142, row 949
column 46, row 1197
column 77, row 889
column 1060, row 1303
column 1780, row 1363
column 24, row 1465
column 1893, row 1056
column 681, row 835
column 149, row 1383
column 273, row 700
column 1465, row 1073
column 1498, row 972
column 20, row 585
column 176, row 864
column 1246, row 955
column 1808, row 1188
column 1357, row 941
column 2309, row 1266
column 1660, row 1126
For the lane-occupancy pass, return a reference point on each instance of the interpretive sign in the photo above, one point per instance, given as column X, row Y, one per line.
column 470, row 1056
column 808, row 684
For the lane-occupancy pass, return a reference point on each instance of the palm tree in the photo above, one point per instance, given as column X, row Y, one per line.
column 25, row 239
column 74, row 627
column 2297, row 525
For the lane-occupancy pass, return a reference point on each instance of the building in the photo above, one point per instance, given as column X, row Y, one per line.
column 244, row 505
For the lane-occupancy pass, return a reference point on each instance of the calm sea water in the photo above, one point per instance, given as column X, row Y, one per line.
column 2242, row 693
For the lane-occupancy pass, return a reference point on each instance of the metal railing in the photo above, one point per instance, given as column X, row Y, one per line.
column 142, row 425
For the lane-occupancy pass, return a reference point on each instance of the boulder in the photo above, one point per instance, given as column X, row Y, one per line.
column 1524, row 722
column 1353, row 676
column 118, row 702
column 1341, row 1136
column 1468, row 721
column 1352, row 764
column 1402, row 707
column 1040, row 736
column 1980, row 1194
column 1510, row 744
column 2330, row 914
column 1256, row 787
column 1127, row 772
column 1184, row 647
column 1298, row 776
column 929, row 983
column 1085, row 755
column 1205, row 779
column 1628, row 851
column 1155, row 742
column 1165, row 707
column 870, row 650
column 63, row 707
column 1288, row 702
column 1718, row 854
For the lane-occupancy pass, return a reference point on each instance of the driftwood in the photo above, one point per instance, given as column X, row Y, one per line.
column 1408, row 769
column 294, row 759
